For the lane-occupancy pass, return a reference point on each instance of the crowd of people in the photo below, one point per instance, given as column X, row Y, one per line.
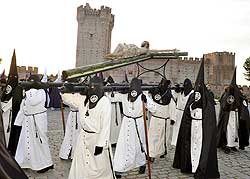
column 100, row 120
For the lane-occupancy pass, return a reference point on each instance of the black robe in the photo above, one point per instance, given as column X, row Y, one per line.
column 55, row 98
column 208, row 163
column 9, row 168
column 244, row 123
column 15, row 130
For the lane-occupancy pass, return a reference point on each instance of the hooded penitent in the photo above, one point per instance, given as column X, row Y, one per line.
column 232, row 100
column 14, row 91
column 12, row 80
column 162, row 95
column 54, row 94
column 134, row 89
column 3, row 78
column 207, row 163
column 95, row 91
column 8, row 166
column 187, row 86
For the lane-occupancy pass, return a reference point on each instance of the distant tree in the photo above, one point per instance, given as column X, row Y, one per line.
column 247, row 68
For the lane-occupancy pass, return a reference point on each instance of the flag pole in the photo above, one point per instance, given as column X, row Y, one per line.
column 146, row 137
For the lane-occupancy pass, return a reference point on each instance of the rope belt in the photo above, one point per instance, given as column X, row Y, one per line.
column 74, row 110
column 132, row 117
column 180, row 109
column 196, row 119
column 87, row 131
column 35, row 113
column 137, row 131
column 36, row 129
column 161, row 117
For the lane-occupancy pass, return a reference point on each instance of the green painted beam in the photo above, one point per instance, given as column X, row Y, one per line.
column 116, row 63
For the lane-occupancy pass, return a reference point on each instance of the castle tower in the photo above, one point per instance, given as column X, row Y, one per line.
column 94, row 34
column 219, row 67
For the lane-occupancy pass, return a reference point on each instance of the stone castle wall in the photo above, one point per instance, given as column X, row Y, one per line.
column 24, row 72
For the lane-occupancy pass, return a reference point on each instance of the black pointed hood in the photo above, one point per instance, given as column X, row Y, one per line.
column 187, row 86
column 12, row 80
column 3, row 77
column 200, row 88
column 134, row 89
column 162, row 95
column 234, row 90
column 233, row 81
column 95, row 91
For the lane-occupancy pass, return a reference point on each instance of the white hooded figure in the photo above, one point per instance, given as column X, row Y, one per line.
column 72, row 130
column 180, row 106
column 131, row 145
column 33, row 148
column 92, row 156
column 161, row 119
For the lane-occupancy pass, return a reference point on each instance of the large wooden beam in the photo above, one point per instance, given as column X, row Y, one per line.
column 117, row 63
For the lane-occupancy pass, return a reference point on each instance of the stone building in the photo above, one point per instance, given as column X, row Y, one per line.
column 94, row 34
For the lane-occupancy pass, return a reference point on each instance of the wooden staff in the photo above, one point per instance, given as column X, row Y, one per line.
column 146, row 136
column 62, row 111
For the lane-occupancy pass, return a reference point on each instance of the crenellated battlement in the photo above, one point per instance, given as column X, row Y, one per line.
column 222, row 53
column 104, row 11
column 188, row 59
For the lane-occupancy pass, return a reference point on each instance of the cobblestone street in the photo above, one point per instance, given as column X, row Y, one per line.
column 234, row 165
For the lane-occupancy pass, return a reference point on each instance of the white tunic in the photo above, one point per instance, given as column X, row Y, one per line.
column 72, row 130
column 116, row 121
column 7, row 115
column 128, row 154
column 159, row 129
column 181, row 103
column 95, row 131
column 33, row 147
column 196, row 137
column 232, row 130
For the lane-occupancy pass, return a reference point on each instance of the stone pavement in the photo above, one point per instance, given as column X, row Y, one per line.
column 234, row 165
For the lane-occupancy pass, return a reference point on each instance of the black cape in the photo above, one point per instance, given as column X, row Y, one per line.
column 55, row 98
column 208, row 164
column 244, row 123
column 15, row 130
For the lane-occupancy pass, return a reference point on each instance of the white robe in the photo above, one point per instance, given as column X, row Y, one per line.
column 159, row 129
column 128, row 154
column 232, row 130
column 181, row 103
column 95, row 131
column 72, row 131
column 196, row 137
column 116, row 121
column 7, row 117
column 33, row 147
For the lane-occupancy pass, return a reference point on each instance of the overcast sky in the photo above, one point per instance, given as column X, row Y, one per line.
column 44, row 32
